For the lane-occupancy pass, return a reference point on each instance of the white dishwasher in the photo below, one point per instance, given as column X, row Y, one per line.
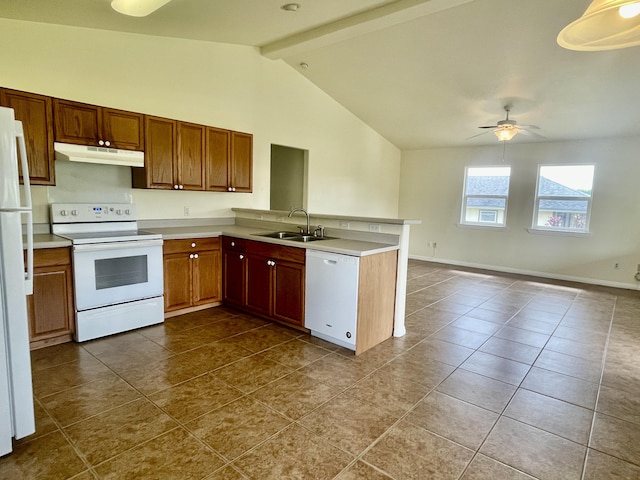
column 331, row 305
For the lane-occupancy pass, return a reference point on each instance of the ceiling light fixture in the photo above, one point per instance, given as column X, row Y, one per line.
column 605, row 25
column 137, row 8
column 290, row 7
column 506, row 132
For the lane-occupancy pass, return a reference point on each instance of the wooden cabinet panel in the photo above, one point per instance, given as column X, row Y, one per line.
column 217, row 159
column 85, row 124
column 288, row 292
column 259, row 284
column 50, row 309
column 190, row 157
column 192, row 273
column 241, row 163
column 36, row 114
column 235, row 276
column 123, row 129
column 160, row 138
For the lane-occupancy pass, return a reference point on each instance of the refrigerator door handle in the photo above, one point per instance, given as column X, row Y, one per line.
column 27, row 208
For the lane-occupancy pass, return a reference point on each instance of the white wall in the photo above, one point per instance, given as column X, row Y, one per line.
column 431, row 190
column 352, row 169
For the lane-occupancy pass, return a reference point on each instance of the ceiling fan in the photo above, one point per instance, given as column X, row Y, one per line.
column 506, row 129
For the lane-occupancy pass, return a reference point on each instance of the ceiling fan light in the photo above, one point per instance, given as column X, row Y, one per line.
column 137, row 8
column 505, row 134
column 605, row 25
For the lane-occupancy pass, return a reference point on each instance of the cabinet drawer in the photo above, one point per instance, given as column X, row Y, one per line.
column 279, row 252
column 233, row 244
column 47, row 257
column 191, row 245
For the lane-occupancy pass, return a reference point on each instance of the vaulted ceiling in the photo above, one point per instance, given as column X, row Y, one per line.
column 423, row 73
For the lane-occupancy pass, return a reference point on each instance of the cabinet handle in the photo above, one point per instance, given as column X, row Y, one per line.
column 107, row 143
column 193, row 244
column 271, row 263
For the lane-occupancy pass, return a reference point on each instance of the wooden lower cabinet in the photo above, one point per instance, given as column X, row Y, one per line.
column 50, row 309
column 265, row 279
column 192, row 273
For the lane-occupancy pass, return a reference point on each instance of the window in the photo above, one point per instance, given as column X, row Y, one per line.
column 563, row 198
column 484, row 201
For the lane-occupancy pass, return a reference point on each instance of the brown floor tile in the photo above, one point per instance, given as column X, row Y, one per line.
column 349, row 423
column 569, row 347
column 262, row 338
column 600, row 465
column 483, row 468
column 445, row 352
column 522, row 336
column 552, row 415
column 362, row 471
column 523, row 447
column 518, row 352
column 294, row 453
column 497, row 368
column 57, row 355
column 477, row 389
column 295, row 353
column 581, row 335
column 111, row 433
column 562, row 387
column 195, row 397
column 490, row 314
column 90, row 399
column 544, row 325
column 335, row 369
column 176, row 454
column 296, row 394
column 454, row 419
column 460, row 336
column 476, row 325
column 427, row 373
column 619, row 404
column 44, row 423
column 237, row 427
column 47, row 457
column 389, row 392
column 616, row 437
column 569, row 365
column 47, row 381
column 226, row 473
column 251, row 373
column 409, row 451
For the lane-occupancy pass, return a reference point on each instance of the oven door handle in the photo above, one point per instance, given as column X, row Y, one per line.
column 96, row 247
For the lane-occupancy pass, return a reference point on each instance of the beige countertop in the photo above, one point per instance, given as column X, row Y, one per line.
column 343, row 246
column 47, row 240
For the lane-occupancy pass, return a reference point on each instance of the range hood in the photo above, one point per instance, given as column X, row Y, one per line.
column 102, row 155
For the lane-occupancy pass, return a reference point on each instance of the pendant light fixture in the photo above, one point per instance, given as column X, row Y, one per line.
column 506, row 132
column 605, row 25
column 137, row 8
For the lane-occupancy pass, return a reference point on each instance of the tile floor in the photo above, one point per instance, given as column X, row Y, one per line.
column 498, row 377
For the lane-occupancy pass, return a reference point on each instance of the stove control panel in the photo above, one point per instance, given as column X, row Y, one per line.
column 92, row 212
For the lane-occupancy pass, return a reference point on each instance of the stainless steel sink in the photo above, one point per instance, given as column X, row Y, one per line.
column 305, row 238
column 278, row 234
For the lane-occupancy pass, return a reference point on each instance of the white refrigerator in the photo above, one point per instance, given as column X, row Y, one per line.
column 16, row 395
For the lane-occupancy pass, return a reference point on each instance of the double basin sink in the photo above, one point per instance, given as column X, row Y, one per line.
column 293, row 236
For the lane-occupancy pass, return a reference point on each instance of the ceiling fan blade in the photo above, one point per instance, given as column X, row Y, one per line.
column 533, row 134
column 489, row 126
column 474, row 136
column 534, row 127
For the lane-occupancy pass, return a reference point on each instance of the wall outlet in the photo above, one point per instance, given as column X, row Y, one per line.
column 616, row 266
column 345, row 224
column 374, row 227
column 186, row 211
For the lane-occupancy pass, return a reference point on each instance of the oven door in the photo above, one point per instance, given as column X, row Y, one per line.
column 116, row 272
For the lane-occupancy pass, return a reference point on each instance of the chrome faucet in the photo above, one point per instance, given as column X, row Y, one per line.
column 308, row 232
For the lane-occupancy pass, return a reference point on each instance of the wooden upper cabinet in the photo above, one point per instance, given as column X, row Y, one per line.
column 190, row 157
column 36, row 114
column 241, row 162
column 85, row 124
column 159, row 166
column 217, row 159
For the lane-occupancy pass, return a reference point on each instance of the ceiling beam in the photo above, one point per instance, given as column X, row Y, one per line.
column 355, row 25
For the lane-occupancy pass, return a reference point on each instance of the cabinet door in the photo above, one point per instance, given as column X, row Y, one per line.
column 190, row 158
column 288, row 292
column 235, row 277
column 241, row 162
column 36, row 114
column 177, row 281
column 123, row 129
column 259, row 274
column 217, row 159
column 50, row 308
column 77, row 123
column 160, row 137
column 206, row 277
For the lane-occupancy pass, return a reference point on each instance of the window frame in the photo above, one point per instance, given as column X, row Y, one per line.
column 465, row 196
column 538, row 198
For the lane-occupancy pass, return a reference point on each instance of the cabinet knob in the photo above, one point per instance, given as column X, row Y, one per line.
column 175, row 187
column 100, row 142
column 107, row 143
column 229, row 189
column 233, row 189
column 241, row 257
column 233, row 244
column 193, row 244
column 181, row 187
column 191, row 255
column 195, row 255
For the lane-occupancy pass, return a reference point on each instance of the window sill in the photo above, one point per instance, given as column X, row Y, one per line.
column 479, row 226
column 562, row 233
